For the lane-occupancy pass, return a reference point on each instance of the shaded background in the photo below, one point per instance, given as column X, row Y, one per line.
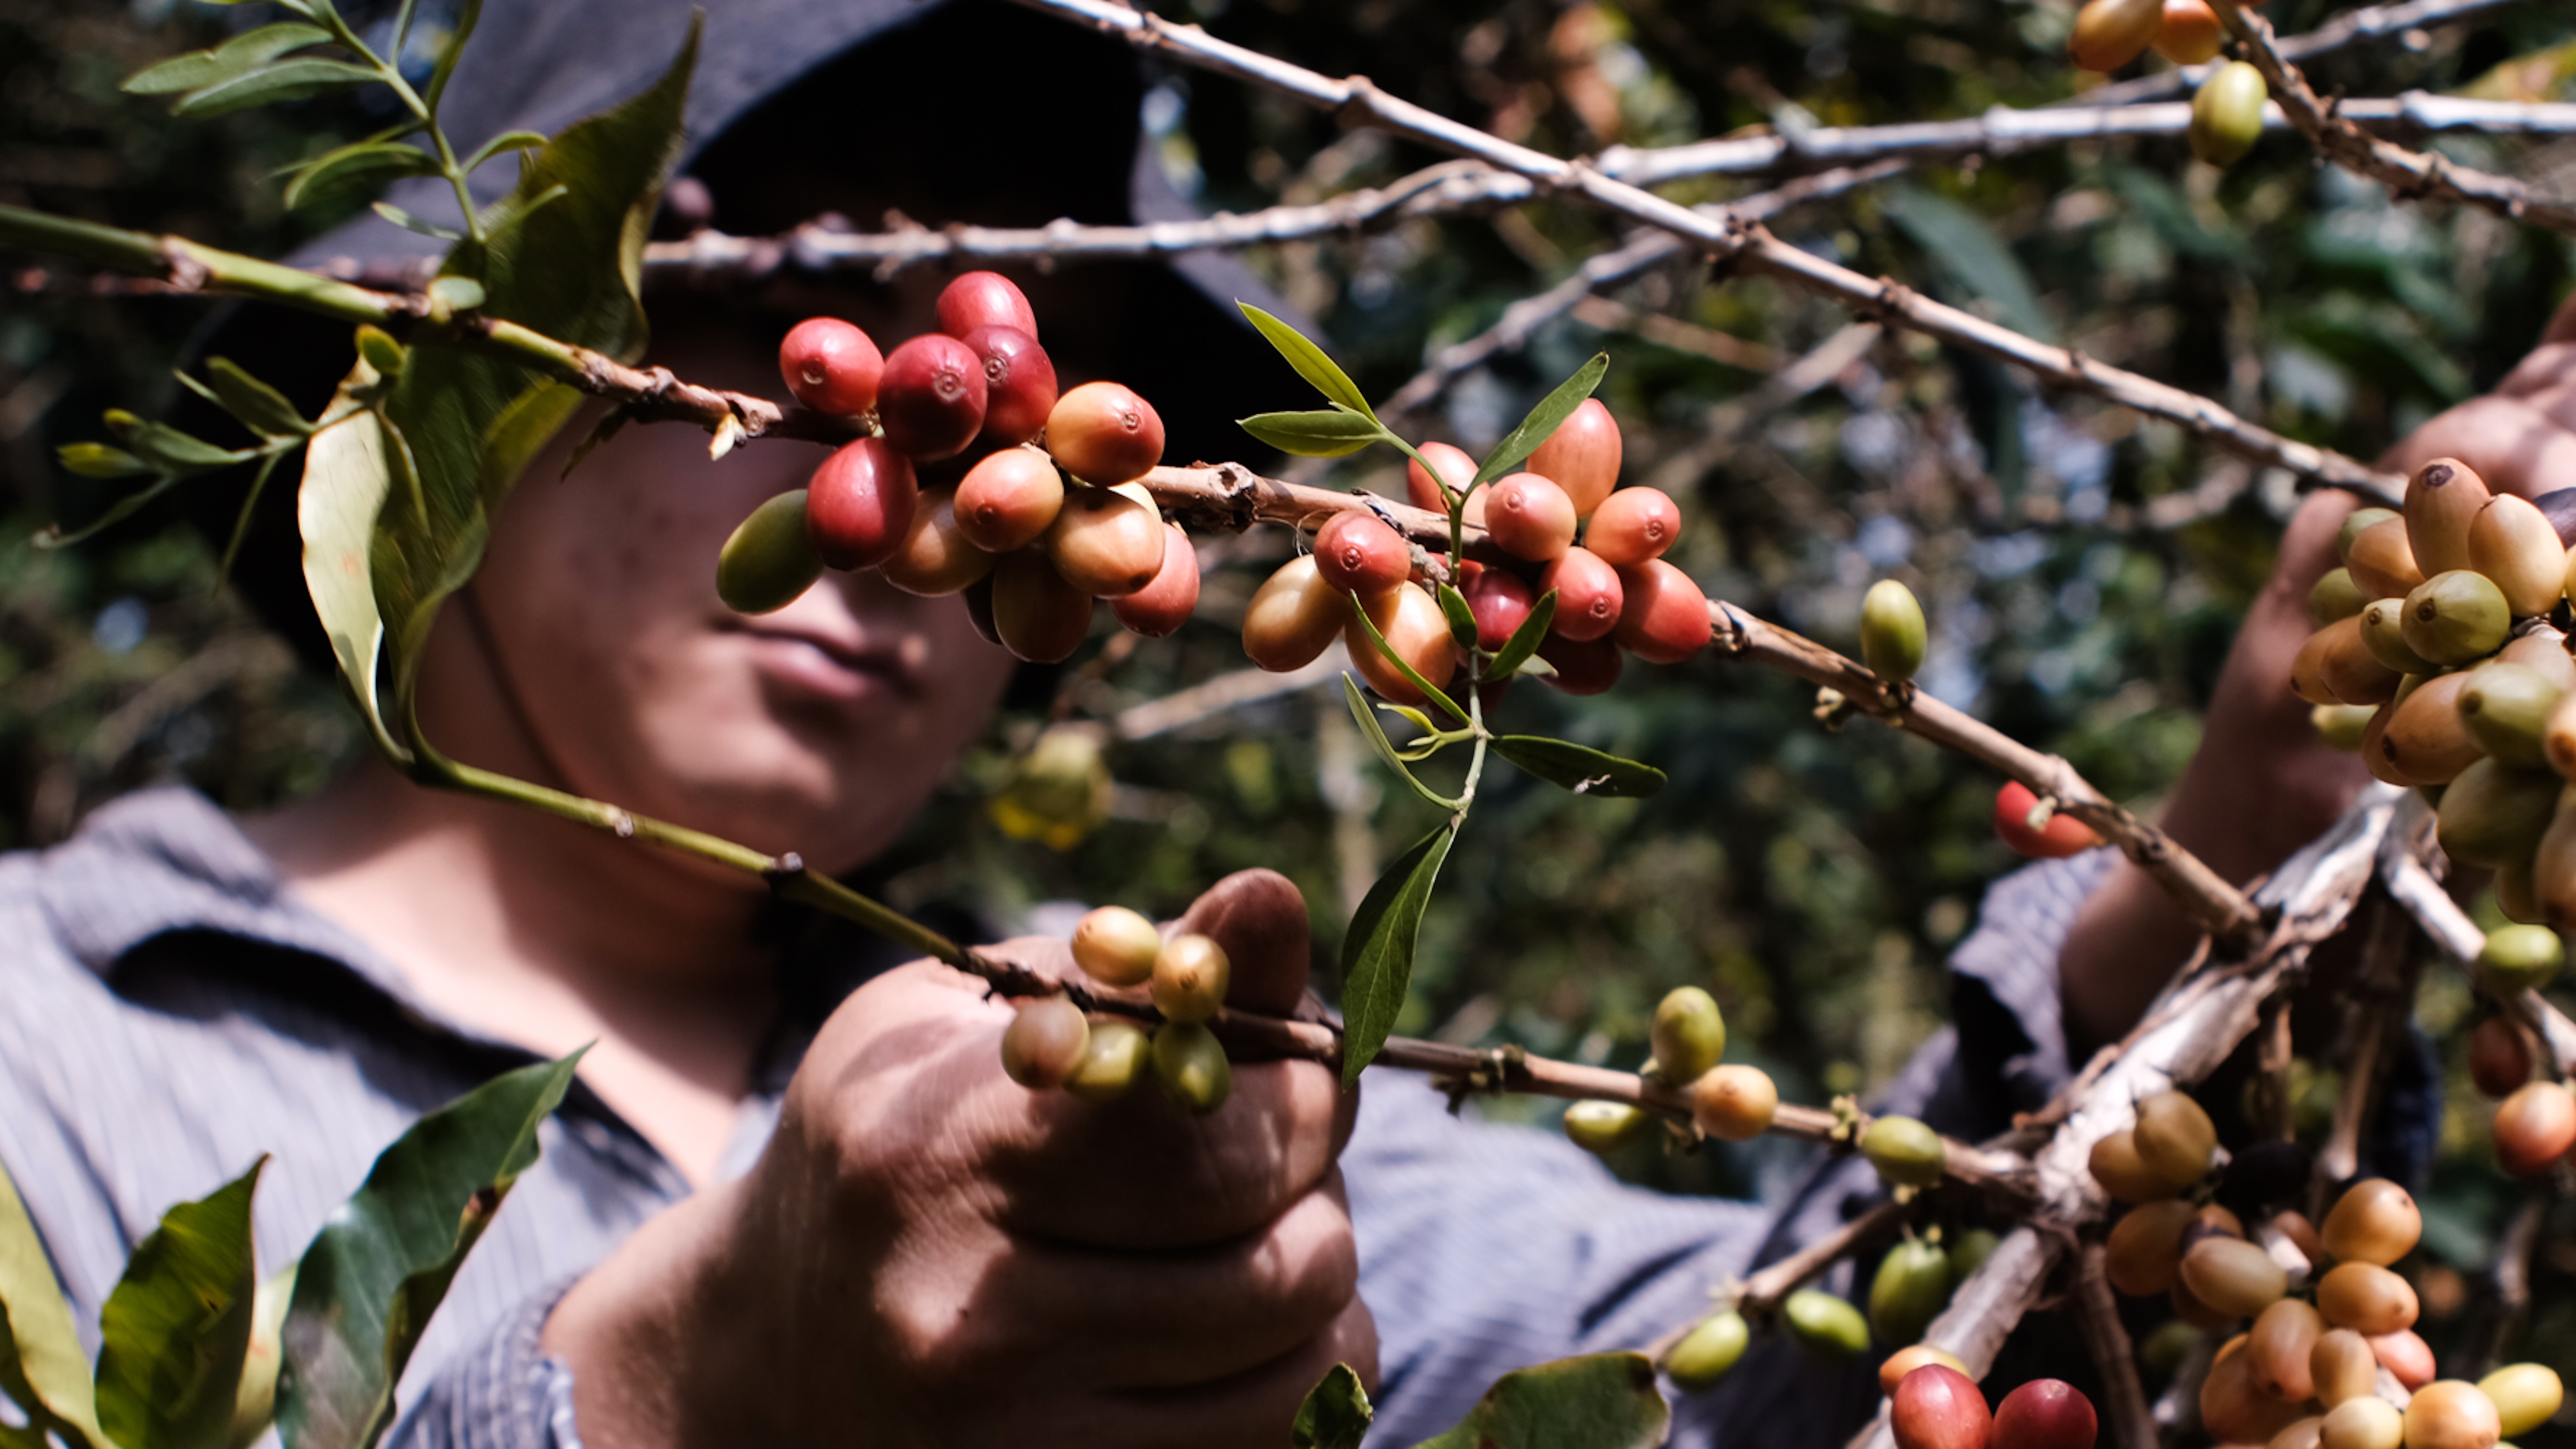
column 1813, row 881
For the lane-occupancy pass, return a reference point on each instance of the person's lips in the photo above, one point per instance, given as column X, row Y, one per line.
column 838, row 665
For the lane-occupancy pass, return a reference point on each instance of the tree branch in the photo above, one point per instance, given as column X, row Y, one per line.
column 2371, row 23
column 2125, row 1414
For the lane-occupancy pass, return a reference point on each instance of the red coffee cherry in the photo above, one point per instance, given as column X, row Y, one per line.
column 1501, row 602
column 1938, row 1407
column 1589, row 595
column 2404, row 1354
column 1665, row 617
column 1008, row 499
column 860, row 504
column 1357, row 552
column 831, row 366
column 1582, row 455
column 979, row 608
column 1019, row 383
column 984, row 299
column 935, row 558
column 2064, row 835
column 1105, row 543
column 1583, row 666
column 1529, row 517
column 2534, row 1128
column 1164, row 605
column 2499, row 1057
column 1103, row 433
column 1633, row 525
column 1456, row 470
column 1036, row 614
column 1293, row 617
column 2045, row 1414
column 931, row 402
column 1414, row 627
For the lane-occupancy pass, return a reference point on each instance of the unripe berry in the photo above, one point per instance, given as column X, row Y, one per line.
column 2233, row 1409
column 1105, row 543
column 2515, row 544
column 2454, row 617
column 2341, row 1366
column 2227, row 113
column 1603, row 1126
column 2442, row 499
column 1892, row 631
column 1501, row 602
column 1582, row 667
column 2367, row 1422
column 1413, row 626
column 2334, row 596
column 2518, row 958
column 768, row 561
column 1008, row 499
column 1019, row 383
column 2364, row 1297
column 2424, row 740
column 831, row 366
column 2408, row 1359
column 1905, row 1152
column 2341, row 726
column 1708, row 1351
column 2144, row 1249
column 2534, row 1128
column 2382, row 560
column 1906, row 1360
column 2526, row 1396
column 1043, row 1045
column 1457, row 470
column 2045, row 1414
column 1116, row 1056
column 1734, row 1103
column 2115, row 1164
column 1820, row 1321
column 1103, row 433
column 1164, row 605
column 1590, row 595
column 931, row 402
column 2111, row 33
column 1116, row 946
column 1909, row 1290
column 1039, row 617
column 2282, row 1347
column 2233, row 1276
column 2062, row 836
column 935, row 558
column 2353, row 523
column 1663, row 616
column 2375, row 1221
column 860, row 504
column 2174, row 1137
column 1293, row 617
column 1581, row 456
column 1356, row 552
column 2347, row 660
column 2499, row 1057
column 1689, row 1034
column 1633, row 525
column 1190, row 1063
column 2506, row 709
column 1937, row 1407
column 984, row 299
column 1970, row 1250
column 1529, row 517
column 1191, row 975
column 2452, row 1414
column 2190, row 32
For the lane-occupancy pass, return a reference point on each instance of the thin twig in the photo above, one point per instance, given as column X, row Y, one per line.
column 1763, row 1291
column 2129, row 1423
column 2357, row 27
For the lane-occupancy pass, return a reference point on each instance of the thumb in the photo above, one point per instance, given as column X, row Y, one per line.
column 1259, row 917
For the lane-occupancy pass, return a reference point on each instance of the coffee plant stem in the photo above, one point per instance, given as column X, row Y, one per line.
column 2380, row 1000
column 2370, row 23
column 2126, row 1420
column 2412, row 885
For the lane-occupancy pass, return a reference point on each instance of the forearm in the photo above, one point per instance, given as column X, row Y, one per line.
column 660, row 1354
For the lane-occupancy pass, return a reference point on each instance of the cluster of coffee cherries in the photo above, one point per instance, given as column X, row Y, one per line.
column 2227, row 110
column 1935, row 1406
column 2535, row 1121
column 1050, row 1043
column 1614, row 589
column 1733, row 1103
column 1913, row 1284
column 2436, row 657
column 1029, row 547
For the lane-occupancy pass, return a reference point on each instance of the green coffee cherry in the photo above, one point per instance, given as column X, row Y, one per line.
column 2335, row 596
column 1112, row 1061
column 2493, row 815
column 2383, row 633
column 1970, row 1253
column 2227, row 114
column 2521, row 956
column 769, row 560
column 1905, row 1152
column 2353, row 523
column 1190, row 1063
column 2506, row 709
column 1892, row 631
column 1603, row 1126
column 2456, row 616
column 2341, row 726
column 1689, row 1035
column 1825, row 1323
column 1910, row 1290
column 1706, row 1352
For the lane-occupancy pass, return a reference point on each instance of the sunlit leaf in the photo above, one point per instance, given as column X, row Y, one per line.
column 1377, row 951
column 417, row 225
column 1542, row 421
column 1323, row 433
column 362, row 166
column 1600, row 1401
column 285, row 80
column 42, row 1368
column 1310, row 362
column 179, row 1323
column 1335, row 1414
column 235, row 57
column 347, row 475
column 1523, row 645
column 259, row 407
column 1386, row 749
column 169, row 450
column 1583, row 771
column 1462, row 619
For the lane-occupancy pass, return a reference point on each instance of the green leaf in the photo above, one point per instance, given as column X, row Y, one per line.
column 1974, row 259
column 1583, row 771
column 348, row 472
column 505, row 215
column 1523, row 645
column 1542, row 421
column 365, row 1289
column 1325, row 433
column 1462, row 619
column 457, row 294
column 255, row 1403
column 506, row 141
column 261, row 408
column 1385, row 749
column 417, row 225
column 42, row 1368
column 362, row 166
column 1378, row 642
column 169, row 450
column 1335, row 1415
column 1377, row 950
column 98, row 460
column 1310, row 362
column 178, row 1325
column 285, row 80
column 1600, row 1401
column 200, row 68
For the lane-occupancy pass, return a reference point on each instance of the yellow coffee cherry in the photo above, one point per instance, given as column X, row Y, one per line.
column 1689, row 1034
column 1116, row 946
column 1191, row 975
column 2227, row 114
column 1734, row 1103
column 1708, row 1351
column 1603, row 1126
column 1115, row 1057
column 2526, row 1396
column 2452, row 1414
column 2375, row 1221
column 1892, row 631
column 1190, row 1063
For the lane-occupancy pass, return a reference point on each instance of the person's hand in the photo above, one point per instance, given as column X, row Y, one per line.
column 931, row 1254
column 2262, row 784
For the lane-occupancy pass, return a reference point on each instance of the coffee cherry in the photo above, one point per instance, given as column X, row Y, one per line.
column 1044, row 1044
column 2234, row 1410
column 1113, row 1060
column 1689, row 1034
column 2116, row 1165
column 2365, row 1298
column 1529, row 517
column 2375, row 1221
column 2233, row 1276
column 2335, row 596
column 1008, row 499
column 979, row 609
column 2211, row 1221
column 1190, row 978
column 2045, row 1414
column 2408, row 1359
column 1105, row 543
column 2307, row 1433
column 1590, row 595
column 2552, row 898
column 1910, row 1289
column 1820, row 1321
column 984, row 299
column 2341, row 1366
column 1104, row 433
column 2383, row 561
column 1905, row 1152
column 1734, row 1103
column 2515, row 544
column 1892, row 631
column 2227, row 114
column 1582, row 667
column 2525, row 1395
column 1293, row 617
column 831, row 366
column 935, row 558
column 1893, row 1369
column 2362, row 1423
column 2348, row 662
column 931, row 401
column 2534, row 1128
column 768, row 561
column 2062, row 836
column 1938, row 1407
column 2341, row 726
column 1163, row 606
column 2174, row 1137
column 1413, row 626
column 1708, row 1351
column 860, row 503
column 1457, row 470
column 1190, row 1063
column 1633, row 525
column 2282, row 1347
column 2144, row 1249
column 1501, row 603
column 1663, row 618
column 2442, row 500
column 1039, row 617
column 2452, row 1414
column 2544, row 649
column 2506, row 709
column 2517, row 892
column 2456, row 616
column 1019, row 383
column 2194, row 1312
column 1116, row 946
column 1357, row 552
column 2190, row 33
column 2111, row 33
column 2302, row 1235
column 2424, row 740
column 2518, row 958
column 1969, row 1252
column 1581, row 456
column 2354, row 522
column 1603, row 1126
column 2499, row 1057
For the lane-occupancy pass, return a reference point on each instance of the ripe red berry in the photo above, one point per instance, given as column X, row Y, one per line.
column 1634, row 525
column 1589, row 595
column 1664, row 619
column 1164, row 605
column 2045, row 1414
column 860, row 504
column 1356, row 552
column 2065, row 835
column 1938, row 1407
column 931, row 401
column 1019, row 383
column 1008, row 498
column 934, row 558
column 984, row 299
column 1037, row 615
column 1529, row 517
column 1583, row 666
column 2534, row 1128
column 1103, row 433
column 1501, row 601
column 1582, row 455
column 831, row 366
column 1457, row 470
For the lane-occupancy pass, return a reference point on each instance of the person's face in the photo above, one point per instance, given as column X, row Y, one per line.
column 820, row 728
